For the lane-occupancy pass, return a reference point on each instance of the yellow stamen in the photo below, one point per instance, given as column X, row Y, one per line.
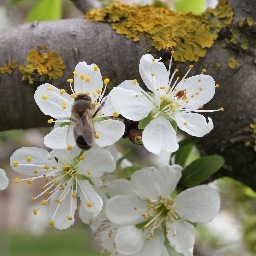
column 46, row 167
column 70, row 218
column 15, row 163
column 29, row 158
column 135, row 81
column 190, row 66
column 51, row 223
column 106, row 81
column 45, row 97
column 69, row 147
column 50, row 121
column 87, row 93
column 176, row 70
column 153, row 117
column 33, row 199
column 217, row 85
column 35, row 211
column 49, row 88
column 221, row 109
column 16, row 180
column 70, row 80
column 185, row 123
column 89, row 204
column 64, row 105
column 82, row 76
column 82, row 157
column 74, row 195
column 62, row 91
column 43, row 202
column 98, row 91
column 64, row 168
column 58, row 201
column 87, row 79
column 204, row 70
column 29, row 181
column 96, row 68
column 75, row 73
column 72, row 95
column 115, row 114
column 54, row 167
column 96, row 136
column 89, row 172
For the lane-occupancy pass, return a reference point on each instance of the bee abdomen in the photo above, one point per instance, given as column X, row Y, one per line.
column 80, row 142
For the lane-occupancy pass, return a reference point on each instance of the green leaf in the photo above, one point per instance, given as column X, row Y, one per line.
column 201, row 169
column 45, row 10
column 144, row 122
column 195, row 6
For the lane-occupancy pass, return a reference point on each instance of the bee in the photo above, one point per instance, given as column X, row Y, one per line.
column 81, row 128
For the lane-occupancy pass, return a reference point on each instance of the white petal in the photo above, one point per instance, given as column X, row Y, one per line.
column 159, row 135
column 130, row 85
column 181, row 235
column 132, row 105
column 84, row 215
column 59, row 213
column 109, row 131
column 125, row 210
column 198, row 204
column 90, row 85
column 96, row 162
column 63, row 155
column 4, row 181
column 129, row 240
column 119, row 187
column 107, row 108
column 198, row 93
column 153, row 247
column 90, row 200
column 57, row 138
column 194, row 124
column 27, row 160
column 153, row 73
column 50, row 99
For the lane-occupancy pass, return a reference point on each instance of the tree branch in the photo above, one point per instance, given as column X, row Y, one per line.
column 86, row 5
column 118, row 58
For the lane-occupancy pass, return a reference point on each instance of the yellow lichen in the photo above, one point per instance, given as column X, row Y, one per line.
column 42, row 66
column 237, row 38
column 232, row 63
column 8, row 67
column 249, row 21
column 253, row 135
column 190, row 35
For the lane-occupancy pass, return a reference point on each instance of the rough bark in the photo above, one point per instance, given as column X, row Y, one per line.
column 78, row 39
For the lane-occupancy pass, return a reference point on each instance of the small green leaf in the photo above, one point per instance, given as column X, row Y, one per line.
column 144, row 122
column 45, row 10
column 201, row 169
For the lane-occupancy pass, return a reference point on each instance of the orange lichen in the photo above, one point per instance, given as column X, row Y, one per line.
column 42, row 66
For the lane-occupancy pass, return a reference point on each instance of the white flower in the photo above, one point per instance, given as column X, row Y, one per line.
column 68, row 174
column 165, row 104
column 4, row 181
column 152, row 208
column 57, row 103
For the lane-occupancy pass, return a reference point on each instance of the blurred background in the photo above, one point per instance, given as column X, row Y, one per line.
column 232, row 233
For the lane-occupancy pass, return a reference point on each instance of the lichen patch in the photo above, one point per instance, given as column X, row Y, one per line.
column 9, row 67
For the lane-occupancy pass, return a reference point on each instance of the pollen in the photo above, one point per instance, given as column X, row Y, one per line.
column 87, row 79
column 176, row 70
column 43, row 202
column 74, row 195
column 99, row 91
column 72, row 95
column 106, row 81
column 70, row 80
column 46, row 167
column 70, row 218
column 87, row 93
column 35, row 171
column 190, row 66
column 29, row 158
column 49, row 88
column 185, row 123
column 64, row 105
column 15, row 163
column 69, row 147
column 217, row 85
column 153, row 117
column 54, row 167
column 50, row 121
column 62, row 91
column 115, row 114
column 51, row 223
column 33, row 199
column 16, row 180
column 75, row 73
column 29, row 182
column 89, row 204
column 35, row 211
column 96, row 136
column 152, row 74
column 45, row 97
column 58, row 201
column 64, row 168
column 95, row 68
column 89, row 172
column 200, row 107
column 221, row 109
column 135, row 81
column 204, row 70
column 82, row 157
column 82, row 76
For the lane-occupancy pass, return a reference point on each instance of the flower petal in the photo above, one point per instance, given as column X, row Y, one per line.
column 130, row 85
column 63, row 155
column 109, row 131
column 132, row 105
column 153, row 73
column 200, row 89
column 181, row 235
column 4, row 181
column 119, row 187
column 159, row 135
column 31, row 161
column 194, row 124
column 107, row 108
column 90, row 200
column 53, row 102
column 87, row 79
column 63, row 213
column 125, row 210
column 129, row 240
column 85, row 216
column 57, row 138
column 96, row 162
column 198, row 204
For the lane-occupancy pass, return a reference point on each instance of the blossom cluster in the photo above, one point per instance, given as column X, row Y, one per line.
column 140, row 215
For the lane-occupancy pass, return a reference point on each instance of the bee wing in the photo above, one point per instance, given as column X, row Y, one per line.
column 71, row 140
column 85, row 128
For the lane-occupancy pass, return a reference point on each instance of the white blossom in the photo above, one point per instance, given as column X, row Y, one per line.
column 4, row 181
column 151, row 208
column 57, row 103
column 69, row 174
column 167, row 104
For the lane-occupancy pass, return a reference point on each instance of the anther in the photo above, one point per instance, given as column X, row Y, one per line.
column 16, row 180
column 82, row 76
column 70, row 218
column 69, row 147
column 64, row 105
column 87, row 79
column 33, row 199
column 96, row 136
column 115, row 114
column 135, row 81
column 70, row 80
column 106, row 81
column 51, row 223
column 62, row 91
column 75, row 73
column 74, row 195
column 190, row 66
column 82, row 157
column 49, row 88
column 98, row 91
column 46, row 167
column 29, row 158
column 15, row 163
column 29, row 182
column 45, row 97
column 88, row 172
column 35, row 211
column 217, row 85
column 72, row 95
column 204, row 70
column 96, row 68
column 87, row 93
column 89, row 204
column 221, row 109
column 58, row 201
column 50, row 121
column 43, row 202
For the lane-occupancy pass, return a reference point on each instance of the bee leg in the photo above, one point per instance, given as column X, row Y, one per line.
column 100, row 107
